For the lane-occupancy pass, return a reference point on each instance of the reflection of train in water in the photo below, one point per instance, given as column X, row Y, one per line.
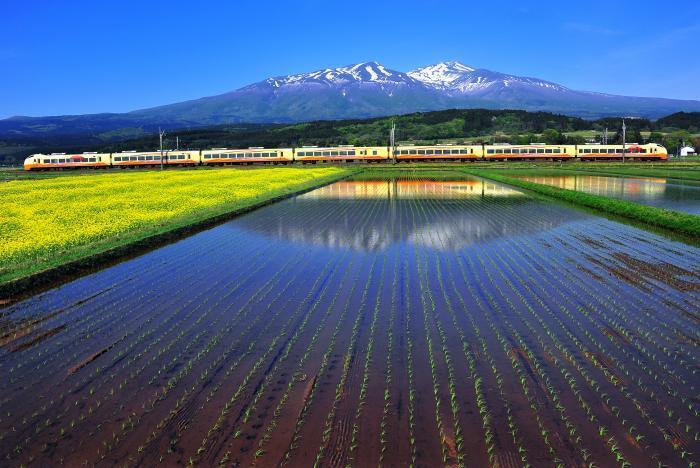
column 314, row 154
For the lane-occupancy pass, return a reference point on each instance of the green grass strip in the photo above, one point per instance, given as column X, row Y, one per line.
column 684, row 223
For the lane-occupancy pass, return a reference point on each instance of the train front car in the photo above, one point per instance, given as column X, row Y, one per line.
column 632, row 152
column 531, row 152
column 347, row 153
column 61, row 161
column 127, row 159
column 231, row 157
column 462, row 153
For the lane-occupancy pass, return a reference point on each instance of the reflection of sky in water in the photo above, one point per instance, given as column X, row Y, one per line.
column 373, row 215
column 654, row 192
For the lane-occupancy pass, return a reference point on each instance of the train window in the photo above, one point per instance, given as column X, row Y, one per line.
column 557, row 150
column 374, row 152
column 61, row 161
column 548, row 150
column 421, row 151
column 403, row 152
column 351, row 153
column 142, row 158
column 489, row 151
column 464, row 151
column 540, row 150
column 438, row 152
column 506, row 151
column 643, row 150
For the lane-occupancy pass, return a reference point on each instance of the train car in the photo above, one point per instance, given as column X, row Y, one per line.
column 59, row 161
column 347, row 153
column 531, row 152
column 153, row 158
column 633, row 152
column 409, row 153
column 230, row 157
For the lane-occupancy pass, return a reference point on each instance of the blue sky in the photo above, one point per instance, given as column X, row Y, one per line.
column 74, row 57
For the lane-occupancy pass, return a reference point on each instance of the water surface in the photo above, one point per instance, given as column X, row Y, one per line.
column 659, row 192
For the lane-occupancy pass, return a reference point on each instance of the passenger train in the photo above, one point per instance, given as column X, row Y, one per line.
column 344, row 153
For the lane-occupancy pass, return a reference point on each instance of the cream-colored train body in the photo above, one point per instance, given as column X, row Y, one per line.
column 153, row 158
column 54, row 161
column 633, row 151
column 438, row 153
column 229, row 157
column 348, row 153
column 533, row 151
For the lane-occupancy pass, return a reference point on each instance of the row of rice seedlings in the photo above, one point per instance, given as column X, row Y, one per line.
column 497, row 316
column 410, row 367
column 347, row 362
column 612, row 444
column 388, row 365
column 553, row 289
column 367, row 362
column 481, row 398
column 618, row 383
column 477, row 380
column 428, row 308
column 643, row 319
column 271, row 321
column 325, row 360
column 643, row 366
column 624, row 318
column 150, row 359
column 488, row 314
column 97, row 371
column 451, row 378
column 641, row 301
column 323, row 366
column 298, row 375
column 213, row 435
column 221, row 356
column 115, row 316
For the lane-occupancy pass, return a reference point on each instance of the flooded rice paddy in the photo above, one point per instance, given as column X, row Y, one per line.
column 659, row 192
column 388, row 322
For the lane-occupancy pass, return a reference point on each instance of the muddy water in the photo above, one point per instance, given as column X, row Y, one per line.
column 391, row 321
column 657, row 192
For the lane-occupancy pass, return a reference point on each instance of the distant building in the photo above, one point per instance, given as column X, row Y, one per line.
column 688, row 151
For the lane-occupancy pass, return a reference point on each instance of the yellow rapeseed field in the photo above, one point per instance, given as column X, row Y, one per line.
column 45, row 222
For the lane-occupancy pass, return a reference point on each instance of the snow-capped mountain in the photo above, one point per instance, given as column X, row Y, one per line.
column 367, row 89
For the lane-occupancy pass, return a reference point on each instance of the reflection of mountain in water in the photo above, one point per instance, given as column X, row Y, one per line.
column 410, row 189
column 370, row 215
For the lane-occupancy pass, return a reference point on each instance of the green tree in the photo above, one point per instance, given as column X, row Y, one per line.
column 551, row 136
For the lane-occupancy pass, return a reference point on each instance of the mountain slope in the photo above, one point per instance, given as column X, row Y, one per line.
column 363, row 90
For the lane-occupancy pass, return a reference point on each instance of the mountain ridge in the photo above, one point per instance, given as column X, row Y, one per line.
column 362, row 90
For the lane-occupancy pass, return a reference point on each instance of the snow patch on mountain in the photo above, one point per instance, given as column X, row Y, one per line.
column 441, row 74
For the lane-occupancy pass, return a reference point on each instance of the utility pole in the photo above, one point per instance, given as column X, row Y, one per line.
column 605, row 136
column 624, row 129
column 161, row 133
column 177, row 143
column 392, row 141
